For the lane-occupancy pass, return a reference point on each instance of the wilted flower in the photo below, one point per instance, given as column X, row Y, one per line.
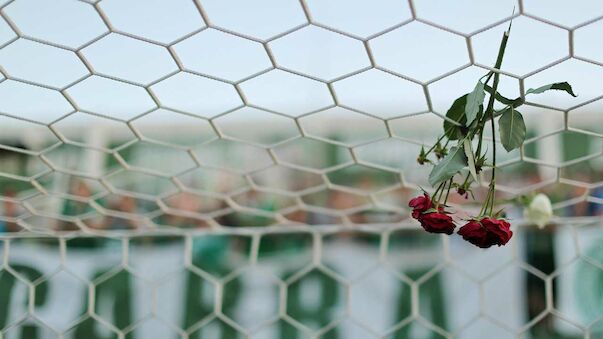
column 420, row 204
column 437, row 222
column 539, row 210
column 432, row 220
column 486, row 232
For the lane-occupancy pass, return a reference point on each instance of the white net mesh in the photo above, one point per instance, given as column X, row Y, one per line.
column 226, row 169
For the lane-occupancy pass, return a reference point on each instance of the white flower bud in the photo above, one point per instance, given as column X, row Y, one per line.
column 539, row 211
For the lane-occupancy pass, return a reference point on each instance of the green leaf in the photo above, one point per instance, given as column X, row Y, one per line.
column 560, row 86
column 512, row 129
column 504, row 100
column 456, row 112
column 475, row 99
column 448, row 167
column 468, row 147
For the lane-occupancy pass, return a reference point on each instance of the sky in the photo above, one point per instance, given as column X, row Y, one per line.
column 410, row 55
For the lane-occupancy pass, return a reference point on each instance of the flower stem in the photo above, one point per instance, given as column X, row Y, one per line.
column 481, row 210
column 490, row 111
column 434, row 145
column 441, row 191
column 466, row 179
column 448, row 191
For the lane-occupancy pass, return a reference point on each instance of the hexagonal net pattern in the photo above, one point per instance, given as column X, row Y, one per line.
column 241, row 169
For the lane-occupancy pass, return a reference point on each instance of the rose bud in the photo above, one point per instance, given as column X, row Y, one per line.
column 539, row 211
column 437, row 222
column 463, row 192
column 420, row 204
column 486, row 232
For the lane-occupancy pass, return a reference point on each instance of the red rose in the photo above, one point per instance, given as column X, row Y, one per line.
column 500, row 228
column 437, row 222
column 420, row 204
column 475, row 233
column 486, row 232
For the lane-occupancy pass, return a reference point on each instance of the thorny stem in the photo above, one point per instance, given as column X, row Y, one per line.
column 434, row 145
column 490, row 110
column 482, row 123
column 484, row 206
column 479, row 143
column 437, row 141
column 435, row 194
column 442, row 188
column 466, row 179
column 448, row 191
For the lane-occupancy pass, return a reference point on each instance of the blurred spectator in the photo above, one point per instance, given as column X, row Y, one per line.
column 595, row 209
column 259, row 201
column 125, row 204
column 580, row 209
column 10, row 209
column 226, row 219
column 73, row 207
column 187, row 203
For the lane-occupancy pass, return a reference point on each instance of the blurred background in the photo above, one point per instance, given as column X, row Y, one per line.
column 242, row 169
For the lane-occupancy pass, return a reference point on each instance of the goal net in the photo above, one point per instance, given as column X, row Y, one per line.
column 242, row 169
